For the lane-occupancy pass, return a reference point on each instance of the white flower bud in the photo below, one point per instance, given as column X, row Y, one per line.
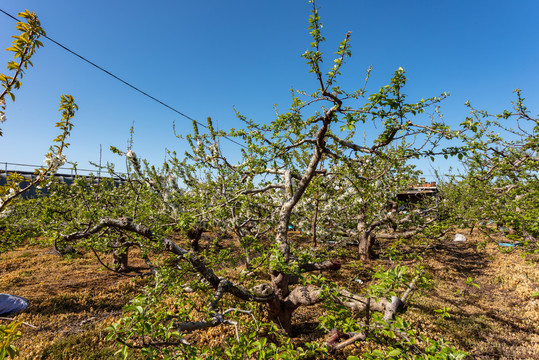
column 171, row 179
column 61, row 159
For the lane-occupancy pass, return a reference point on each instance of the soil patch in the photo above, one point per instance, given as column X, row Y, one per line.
column 480, row 299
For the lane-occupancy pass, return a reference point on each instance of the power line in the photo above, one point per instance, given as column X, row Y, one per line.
column 127, row 83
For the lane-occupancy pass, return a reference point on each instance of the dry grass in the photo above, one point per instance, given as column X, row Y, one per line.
column 498, row 318
column 70, row 298
column 73, row 299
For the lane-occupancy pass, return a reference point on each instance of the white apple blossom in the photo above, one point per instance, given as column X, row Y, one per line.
column 55, row 161
column 171, row 179
column 214, row 148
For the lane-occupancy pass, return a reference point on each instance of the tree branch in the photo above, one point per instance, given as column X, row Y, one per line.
column 170, row 246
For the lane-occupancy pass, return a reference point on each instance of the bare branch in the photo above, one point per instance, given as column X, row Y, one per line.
column 336, row 335
column 388, row 307
column 304, row 141
column 350, row 145
column 325, row 265
column 303, row 296
column 170, row 246
column 24, row 323
column 263, row 189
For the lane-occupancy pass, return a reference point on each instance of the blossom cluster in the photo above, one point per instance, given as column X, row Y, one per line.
column 2, row 111
column 7, row 197
column 55, row 161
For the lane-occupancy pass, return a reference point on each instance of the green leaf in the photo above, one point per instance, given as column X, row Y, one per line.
column 393, row 353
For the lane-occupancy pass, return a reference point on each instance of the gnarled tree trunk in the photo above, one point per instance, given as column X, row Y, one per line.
column 120, row 258
column 366, row 237
column 194, row 234
column 366, row 242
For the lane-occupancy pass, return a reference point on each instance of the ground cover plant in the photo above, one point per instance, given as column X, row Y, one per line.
column 257, row 195
column 73, row 299
column 298, row 249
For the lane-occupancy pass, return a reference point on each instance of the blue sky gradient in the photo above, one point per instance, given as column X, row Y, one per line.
column 205, row 57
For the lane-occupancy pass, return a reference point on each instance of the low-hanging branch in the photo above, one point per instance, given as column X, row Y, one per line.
column 217, row 318
column 127, row 224
column 363, row 304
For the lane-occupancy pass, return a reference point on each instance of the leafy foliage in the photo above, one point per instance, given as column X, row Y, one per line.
column 499, row 184
column 9, row 333
column 310, row 171
column 23, row 46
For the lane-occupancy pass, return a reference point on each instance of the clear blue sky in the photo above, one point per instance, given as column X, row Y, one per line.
column 204, row 57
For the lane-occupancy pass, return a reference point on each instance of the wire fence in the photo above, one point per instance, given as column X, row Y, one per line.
column 68, row 176
column 8, row 167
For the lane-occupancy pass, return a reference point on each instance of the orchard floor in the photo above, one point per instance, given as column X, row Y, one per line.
column 487, row 294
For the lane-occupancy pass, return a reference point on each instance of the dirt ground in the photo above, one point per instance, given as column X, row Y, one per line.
column 488, row 296
column 498, row 318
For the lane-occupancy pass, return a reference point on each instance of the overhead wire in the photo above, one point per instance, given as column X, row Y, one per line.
column 127, row 83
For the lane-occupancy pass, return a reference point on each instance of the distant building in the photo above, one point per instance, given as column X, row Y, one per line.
column 417, row 193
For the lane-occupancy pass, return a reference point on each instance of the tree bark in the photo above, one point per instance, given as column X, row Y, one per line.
column 120, row 258
column 389, row 307
column 194, row 234
column 366, row 242
column 315, row 219
column 279, row 308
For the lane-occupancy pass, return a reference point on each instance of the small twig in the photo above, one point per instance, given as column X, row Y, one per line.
column 411, row 288
column 352, row 339
column 23, row 323
column 368, row 311
column 146, row 259
column 235, row 323
column 108, row 267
